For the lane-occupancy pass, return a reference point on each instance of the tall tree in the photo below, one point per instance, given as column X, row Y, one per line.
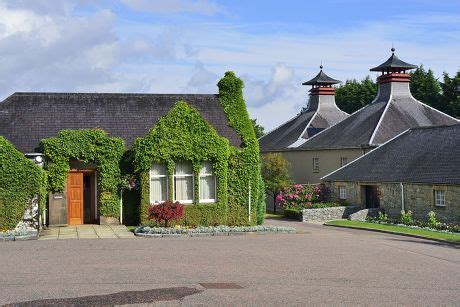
column 353, row 95
column 450, row 94
column 426, row 88
column 258, row 129
column 275, row 174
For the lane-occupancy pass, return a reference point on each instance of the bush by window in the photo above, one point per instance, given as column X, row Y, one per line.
column 158, row 183
column 183, row 183
column 207, row 184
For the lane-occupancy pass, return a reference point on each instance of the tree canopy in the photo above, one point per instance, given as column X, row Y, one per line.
column 258, row 129
column 353, row 94
column 275, row 173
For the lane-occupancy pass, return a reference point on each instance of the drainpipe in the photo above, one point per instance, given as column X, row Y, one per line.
column 249, row 207
column 402, row 197
column 121, row 206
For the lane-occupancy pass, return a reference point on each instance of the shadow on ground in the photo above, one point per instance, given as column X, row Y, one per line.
column 120, row 298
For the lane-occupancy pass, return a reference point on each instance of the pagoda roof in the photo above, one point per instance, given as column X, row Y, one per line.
column 321, row 78
column 393, row 62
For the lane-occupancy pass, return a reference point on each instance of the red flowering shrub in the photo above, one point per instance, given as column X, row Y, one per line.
column 166, row 212
column 298, row 196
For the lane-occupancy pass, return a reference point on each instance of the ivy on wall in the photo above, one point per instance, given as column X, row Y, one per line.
column 20, row 181
column 244, row 163
column 88, row 146
column 183, row 135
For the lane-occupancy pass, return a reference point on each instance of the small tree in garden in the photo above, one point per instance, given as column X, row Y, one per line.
column 275, row 174
column 166, row 212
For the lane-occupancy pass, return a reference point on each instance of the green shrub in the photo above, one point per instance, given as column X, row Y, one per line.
column 382, row 217
column 20, row 181
column 432, row 221
column 292, row 214
column 261, row 206
column 406, row 217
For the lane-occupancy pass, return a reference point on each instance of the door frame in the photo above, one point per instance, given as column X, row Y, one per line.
column 93, row 205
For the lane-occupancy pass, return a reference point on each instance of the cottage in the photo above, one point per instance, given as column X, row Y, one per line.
column 109, row 156
column 419, row 170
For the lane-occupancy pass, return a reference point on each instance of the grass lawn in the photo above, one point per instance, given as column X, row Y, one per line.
column 131, row 228
column 449, row 237
column 274, row 216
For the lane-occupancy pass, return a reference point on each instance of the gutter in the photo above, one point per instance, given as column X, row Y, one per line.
column 402, row 196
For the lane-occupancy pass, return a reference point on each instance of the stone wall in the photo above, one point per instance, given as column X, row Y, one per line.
column 326, row 214
column 419, row 198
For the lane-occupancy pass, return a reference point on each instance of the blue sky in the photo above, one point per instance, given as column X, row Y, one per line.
column 180, row 46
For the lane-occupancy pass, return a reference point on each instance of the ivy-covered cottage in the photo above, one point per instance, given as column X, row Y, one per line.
column 419, row 170
column 109, row 156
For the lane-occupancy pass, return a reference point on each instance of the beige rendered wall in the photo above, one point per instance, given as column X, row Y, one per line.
column 301, row 165
column 419, row 198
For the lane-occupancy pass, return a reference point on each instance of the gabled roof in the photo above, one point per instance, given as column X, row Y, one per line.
column 321, row 79
column 393, row 62
column 419, row 155
column 27, row 118
column 392, row 112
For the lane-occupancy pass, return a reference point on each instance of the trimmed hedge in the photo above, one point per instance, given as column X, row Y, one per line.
column 20, row 181
column 292, row 214
column 88, row 146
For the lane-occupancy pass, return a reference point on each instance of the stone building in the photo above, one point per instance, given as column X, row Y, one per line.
column 419, row 170
column 393, row 111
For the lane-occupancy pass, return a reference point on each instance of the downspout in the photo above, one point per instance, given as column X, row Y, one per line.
column 402, row 197
column 121, row 206
column 249, row 207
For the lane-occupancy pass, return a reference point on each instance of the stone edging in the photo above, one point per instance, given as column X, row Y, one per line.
column 27, row 237
column 209, row 234
column 395, row 233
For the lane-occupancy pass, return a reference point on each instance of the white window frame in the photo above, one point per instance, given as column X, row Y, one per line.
column 342, row 192
column 151, row 176
column 186, row 201
column 439, row 198
column 342, row 159
column 212, row 200
column 315, row 165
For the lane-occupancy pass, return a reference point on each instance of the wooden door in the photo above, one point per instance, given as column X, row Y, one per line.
column 372, row 198
column 75, row 198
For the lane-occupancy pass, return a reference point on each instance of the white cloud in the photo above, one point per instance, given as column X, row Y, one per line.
column 203, row 7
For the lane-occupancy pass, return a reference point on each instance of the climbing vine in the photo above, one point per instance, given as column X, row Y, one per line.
column 183, row 135
column 20, row 181
column 90, row 146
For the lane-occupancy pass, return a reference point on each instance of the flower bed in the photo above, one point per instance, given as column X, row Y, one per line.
column 18, row 235
column 147, row 231
column 406, row 221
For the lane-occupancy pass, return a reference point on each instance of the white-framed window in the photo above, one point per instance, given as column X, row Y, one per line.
column 315, row 165
column 440, row 198
column 158, row 183
column 343, row 161
column 207, row 184
column 342, row 192
column 183, row 183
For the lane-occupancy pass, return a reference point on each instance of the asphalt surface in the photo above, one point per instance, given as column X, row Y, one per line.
column 320, row 265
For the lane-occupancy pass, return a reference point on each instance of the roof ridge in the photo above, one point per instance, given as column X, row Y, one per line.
column 114, row 93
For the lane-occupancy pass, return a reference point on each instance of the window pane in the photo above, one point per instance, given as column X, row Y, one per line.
column 183, row 169
column 206, row 168
column 158, row 189
column 207, row 187
column 158, row 169
column 183, row 188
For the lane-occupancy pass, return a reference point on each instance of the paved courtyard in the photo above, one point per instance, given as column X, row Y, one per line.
column 320, row 265
column 86, row 232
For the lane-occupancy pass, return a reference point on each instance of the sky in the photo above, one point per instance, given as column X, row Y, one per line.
column 185, row 46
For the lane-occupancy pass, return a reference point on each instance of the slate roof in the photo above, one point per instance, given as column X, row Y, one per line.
column 321, row 79
column 419, row 155
column 27, row 118
column 392, row 112
column 393, row 62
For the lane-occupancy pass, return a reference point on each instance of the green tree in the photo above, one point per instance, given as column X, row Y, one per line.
column 353, row 95
column 258, row 129
column 425, row 88
column 450, row 96
column 275, row 174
